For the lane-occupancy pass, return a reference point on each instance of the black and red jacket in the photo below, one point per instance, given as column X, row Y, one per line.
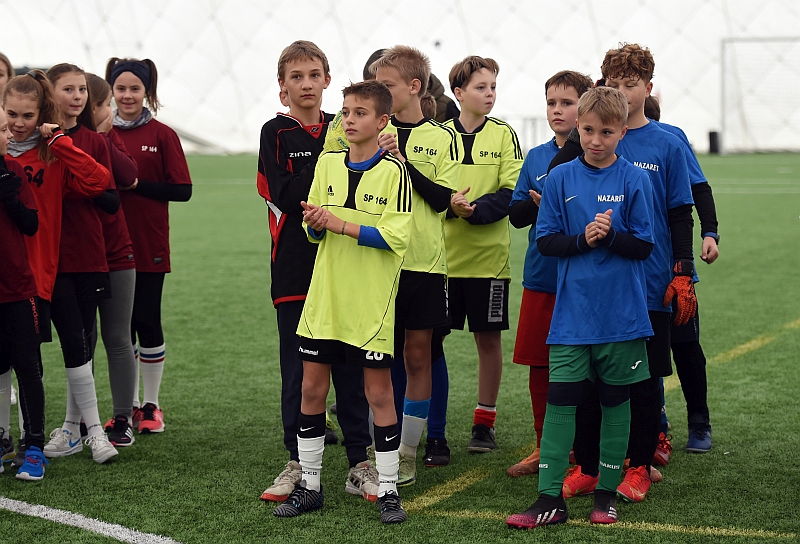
column 287, row 158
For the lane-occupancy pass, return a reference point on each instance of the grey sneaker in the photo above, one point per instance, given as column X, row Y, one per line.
column 483, row 439
column 407, row 474
column 363, row 480
column 284, row 484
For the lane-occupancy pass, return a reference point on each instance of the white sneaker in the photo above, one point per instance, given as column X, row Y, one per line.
column 284, row 484
column 363, row 480
column 102, row 450
column 62, row 443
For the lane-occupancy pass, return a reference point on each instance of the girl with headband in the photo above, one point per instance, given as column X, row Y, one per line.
column 163, row 177
column 115, row 312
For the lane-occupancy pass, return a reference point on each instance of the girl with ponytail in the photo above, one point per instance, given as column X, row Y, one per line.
column 163, row 177
column 54, row 169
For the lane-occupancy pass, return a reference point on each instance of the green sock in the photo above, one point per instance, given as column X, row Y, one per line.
column 613, row 444
column 557, row 438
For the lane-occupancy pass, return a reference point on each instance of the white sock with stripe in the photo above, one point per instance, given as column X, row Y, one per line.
column 152, row 368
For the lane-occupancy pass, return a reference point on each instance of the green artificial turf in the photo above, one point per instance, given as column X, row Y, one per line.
column 200, row 481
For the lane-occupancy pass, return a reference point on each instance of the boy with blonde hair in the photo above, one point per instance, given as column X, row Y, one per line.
column 596, row 217
column 430, row 153
column 562, row 92
column 477, row 233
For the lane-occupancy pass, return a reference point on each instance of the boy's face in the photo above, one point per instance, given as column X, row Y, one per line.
column 360, row 121
column 303, row 82
column 599, row 140
column 478, row 95
column 402, row 91
column 562, row 108
column 635, row 90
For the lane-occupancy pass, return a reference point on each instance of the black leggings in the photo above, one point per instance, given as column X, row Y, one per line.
column 19, row 349
column 146, row 319
column 74, row 320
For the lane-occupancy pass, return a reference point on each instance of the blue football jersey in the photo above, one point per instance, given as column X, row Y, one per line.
column 539, row 272
column 696, row 175
column 661, row 156
column 601, row 296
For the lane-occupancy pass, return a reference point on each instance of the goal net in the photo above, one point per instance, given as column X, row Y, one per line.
column 760, row 105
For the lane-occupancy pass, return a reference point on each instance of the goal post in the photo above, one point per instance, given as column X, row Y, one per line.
column 760, row 99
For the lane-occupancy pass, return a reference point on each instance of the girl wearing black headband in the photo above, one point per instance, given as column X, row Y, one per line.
column 163, row 177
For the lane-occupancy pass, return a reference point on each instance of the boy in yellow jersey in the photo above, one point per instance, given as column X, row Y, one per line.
column 359, row 212
column 429, row 151
column 477, row 232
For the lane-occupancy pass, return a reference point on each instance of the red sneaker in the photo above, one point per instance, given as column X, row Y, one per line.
column 152, row 419
column 577, row 483
column 137, row 417
column 663, row 450
column 635, row 484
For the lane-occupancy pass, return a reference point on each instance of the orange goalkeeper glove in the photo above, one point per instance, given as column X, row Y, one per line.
column 682, row 287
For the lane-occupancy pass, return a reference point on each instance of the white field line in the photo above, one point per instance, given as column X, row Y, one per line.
column 123, row 534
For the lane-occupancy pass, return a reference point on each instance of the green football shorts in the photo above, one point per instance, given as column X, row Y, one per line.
column 616, row 363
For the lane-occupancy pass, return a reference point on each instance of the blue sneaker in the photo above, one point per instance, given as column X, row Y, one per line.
column 699, row 439
column 33, row 467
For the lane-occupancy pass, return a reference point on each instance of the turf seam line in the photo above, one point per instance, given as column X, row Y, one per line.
column 446, row 490
column 63, row 517
column 629, row 525
column 672, row 382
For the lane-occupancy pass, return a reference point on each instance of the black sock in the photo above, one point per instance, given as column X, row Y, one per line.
column 311, row 426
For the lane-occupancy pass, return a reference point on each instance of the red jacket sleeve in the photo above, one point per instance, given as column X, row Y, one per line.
column 123, row 167
column 85, row 176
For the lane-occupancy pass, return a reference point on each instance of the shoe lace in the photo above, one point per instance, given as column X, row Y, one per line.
column 635, row 476
column 286, row 475
column 437, row 447
column 148, row 411
column 120, row 424
column 390, row 501
column 571, row 471
column 366, row 473
column 97, row 441
column 699, row 432
column 664, row 443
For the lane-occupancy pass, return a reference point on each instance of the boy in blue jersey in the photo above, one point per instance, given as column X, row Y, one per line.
column 669, row 271
column 596, row 217
column 690, row 361
column 562, row 92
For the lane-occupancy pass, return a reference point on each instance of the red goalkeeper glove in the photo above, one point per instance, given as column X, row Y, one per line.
column 682, row 287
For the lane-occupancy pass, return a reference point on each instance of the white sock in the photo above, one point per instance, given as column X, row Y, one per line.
column 152, row 367
column 81, row 381
column 136, row 382
column 413, row 427
column 310, row 450
column 5, row 403
column 72, row 420
column 388, row 465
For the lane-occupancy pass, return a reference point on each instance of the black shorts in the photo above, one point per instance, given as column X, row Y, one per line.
column 86, row 286
column 421, row 301
column 658, row 347
column 484, row 301
column 332, row 352
column 683, row 334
